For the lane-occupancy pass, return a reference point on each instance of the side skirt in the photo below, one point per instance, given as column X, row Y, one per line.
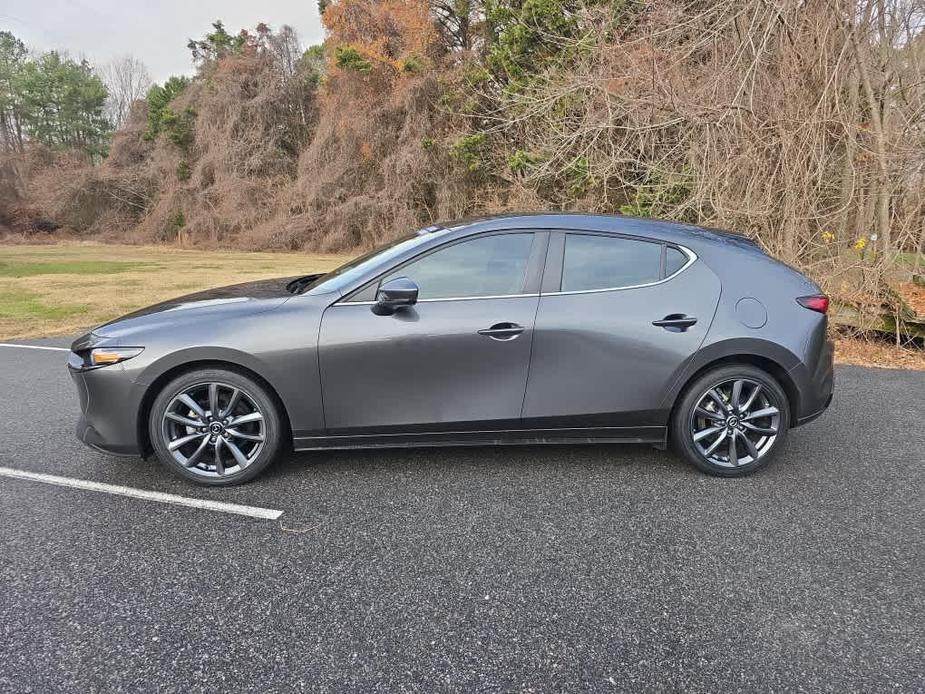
column 520, row 437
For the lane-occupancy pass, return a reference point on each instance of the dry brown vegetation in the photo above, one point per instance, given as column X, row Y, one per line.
column 874, row 351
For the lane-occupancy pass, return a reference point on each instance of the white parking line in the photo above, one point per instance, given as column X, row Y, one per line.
column 52, row 349
column 220, row 506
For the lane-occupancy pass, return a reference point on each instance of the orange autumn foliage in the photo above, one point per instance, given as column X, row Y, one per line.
column 385, row 32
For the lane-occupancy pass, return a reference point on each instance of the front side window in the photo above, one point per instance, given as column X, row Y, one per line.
column 608, row 262
column 486, row 266
column 347, row 273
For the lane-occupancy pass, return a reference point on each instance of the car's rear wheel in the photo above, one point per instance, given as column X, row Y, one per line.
column 731, row 420
column 215, row 427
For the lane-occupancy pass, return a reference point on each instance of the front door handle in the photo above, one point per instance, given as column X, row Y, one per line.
column 502, row 331
column 675, row 322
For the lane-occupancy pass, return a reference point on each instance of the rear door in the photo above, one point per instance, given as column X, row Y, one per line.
column 455, row 361
column 618, row 317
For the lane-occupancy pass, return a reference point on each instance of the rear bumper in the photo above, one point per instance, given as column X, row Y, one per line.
column 806, row 419
column 816, row 386
column 109, row 410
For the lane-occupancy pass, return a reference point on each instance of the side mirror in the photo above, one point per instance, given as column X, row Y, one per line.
column 394, row 294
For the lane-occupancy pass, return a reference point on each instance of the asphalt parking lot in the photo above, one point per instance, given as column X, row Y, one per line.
column 512, row 569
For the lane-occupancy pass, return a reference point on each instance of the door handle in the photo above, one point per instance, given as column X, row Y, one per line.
column 675, row 322
column 502, row 331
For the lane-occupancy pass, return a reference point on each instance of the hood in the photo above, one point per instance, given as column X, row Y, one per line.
column 234, row 300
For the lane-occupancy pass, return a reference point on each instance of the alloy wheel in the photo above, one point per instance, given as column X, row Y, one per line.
column 213, row 429
column 735, row 422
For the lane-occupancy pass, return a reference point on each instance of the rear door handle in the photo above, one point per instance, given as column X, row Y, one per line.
column 502, row 331
column 675, row 322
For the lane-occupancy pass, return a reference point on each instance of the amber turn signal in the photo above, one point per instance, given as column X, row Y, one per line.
column 103, row 356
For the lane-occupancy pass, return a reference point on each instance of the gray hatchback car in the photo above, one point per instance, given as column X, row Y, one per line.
column 558, row 328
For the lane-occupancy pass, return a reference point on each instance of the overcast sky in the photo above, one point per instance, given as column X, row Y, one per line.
column 154, row 31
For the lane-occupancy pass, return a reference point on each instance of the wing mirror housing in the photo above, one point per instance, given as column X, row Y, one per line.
column 395, row 294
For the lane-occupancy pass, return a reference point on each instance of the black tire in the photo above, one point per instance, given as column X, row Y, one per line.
column 686, row 420
column 265, row 435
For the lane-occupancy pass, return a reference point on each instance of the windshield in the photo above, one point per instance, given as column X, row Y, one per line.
column 346, row 274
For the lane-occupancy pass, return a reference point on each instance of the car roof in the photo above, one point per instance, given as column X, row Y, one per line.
column 657, row 229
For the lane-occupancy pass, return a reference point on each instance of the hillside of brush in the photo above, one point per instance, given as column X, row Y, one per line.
column 800, row 124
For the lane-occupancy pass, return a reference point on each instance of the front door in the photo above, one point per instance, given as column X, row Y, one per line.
column 455, row 361
column 617, row 320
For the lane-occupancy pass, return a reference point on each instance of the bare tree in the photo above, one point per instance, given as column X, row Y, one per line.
column 127, row 80
column 286, row 50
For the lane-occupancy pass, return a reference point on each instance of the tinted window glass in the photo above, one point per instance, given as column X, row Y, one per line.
column 487, row 266
column 674, row 261
column 601, row 262
column 356, row 268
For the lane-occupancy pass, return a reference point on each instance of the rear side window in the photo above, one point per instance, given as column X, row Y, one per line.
column 607, row 262
column 486, row 266
column 674, row 260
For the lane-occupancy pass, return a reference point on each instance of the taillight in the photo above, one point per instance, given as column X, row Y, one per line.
column 818, row 303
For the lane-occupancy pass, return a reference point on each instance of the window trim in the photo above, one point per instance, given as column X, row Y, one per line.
column 536, row 262
column 691, row 259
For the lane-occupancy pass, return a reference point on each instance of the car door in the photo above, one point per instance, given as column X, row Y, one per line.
column 456, row 360
column 618, row 317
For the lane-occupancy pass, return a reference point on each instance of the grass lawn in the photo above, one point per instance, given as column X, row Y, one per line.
column 65, row 288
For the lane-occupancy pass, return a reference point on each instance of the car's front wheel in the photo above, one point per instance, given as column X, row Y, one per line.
column 731, row 420
column 215, row 427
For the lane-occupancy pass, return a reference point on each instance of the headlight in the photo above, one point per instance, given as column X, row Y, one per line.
column 103, row 356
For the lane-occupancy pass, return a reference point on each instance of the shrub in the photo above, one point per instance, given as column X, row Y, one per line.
column 659, row 194
column 159, row 99
column 467, row 151
column 349, row 58
column 412, row 64
column 179, row 127
column 520, row 161
column 578, row 174
column 175, row 223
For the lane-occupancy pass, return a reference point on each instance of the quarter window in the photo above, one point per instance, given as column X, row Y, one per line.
column 607, row 262
column 674, row 260
column 486, row 266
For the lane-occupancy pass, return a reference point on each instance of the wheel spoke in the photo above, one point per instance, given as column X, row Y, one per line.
column 708, row 414
column 192, row 404
column 749, row 444
column 703, row 433
column 232, row 403
column 758, row 414
column 238, row 455
column 219, row 465
column 234, row 433
column 245, row 418
column 733, row 452
column 759, row 430
column 736, row 394
column 717, row 398
column 713, row 446
column 185, row 421
column 751, row 398
column 213, row 399
column 192, row 460
column 182, row 441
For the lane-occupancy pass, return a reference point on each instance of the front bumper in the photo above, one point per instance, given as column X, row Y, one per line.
column 109, row 404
